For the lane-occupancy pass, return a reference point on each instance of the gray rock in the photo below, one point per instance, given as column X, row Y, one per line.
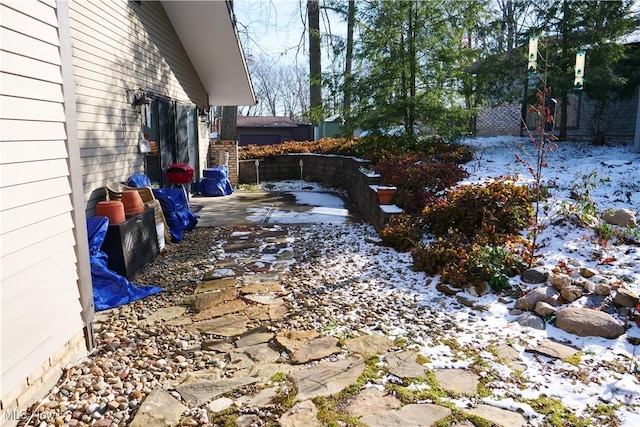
column 327, row 378
column 532, row 321
column 625, row 298
column 553, row 349
column 409, row 415
column 303, row 414
column 404, row 365
column 461, row 381
column 159, row 409
column 602, row 289
column 588, row 322
column 544, row 310
column 534, row 275
column 620, row 217
column 547, row 294
column 501, row 417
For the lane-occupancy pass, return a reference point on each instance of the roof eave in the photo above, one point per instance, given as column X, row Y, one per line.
column 208, row 34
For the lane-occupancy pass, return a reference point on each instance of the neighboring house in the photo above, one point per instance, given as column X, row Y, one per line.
column 70, row 71
column 261, row 130
column 621, row 117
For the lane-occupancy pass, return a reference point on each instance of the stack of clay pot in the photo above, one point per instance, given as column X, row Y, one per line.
column 133, row 204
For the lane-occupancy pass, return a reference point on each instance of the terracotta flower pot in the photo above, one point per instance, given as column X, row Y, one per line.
column 385, row 194
column 112, row 209
column 132, row 202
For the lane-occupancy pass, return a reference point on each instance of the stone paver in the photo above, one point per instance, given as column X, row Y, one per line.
column 163, row 315
column 227, row 326
column 198, row 392
column 553, row 349
column 371, row 401
column 159, row 409
column 327, row 378
column 409, row 415
column 404, row 365
column 303, row 414
column 499, row 416
column 461, row 381
column 316, row 349
column 216, row 285
column 369, row 345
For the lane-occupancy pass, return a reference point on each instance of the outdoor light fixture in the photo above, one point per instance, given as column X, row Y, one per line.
column 137, row 98
column 578, row 82
column 533, row 53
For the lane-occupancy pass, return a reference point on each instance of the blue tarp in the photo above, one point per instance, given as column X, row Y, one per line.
column 109, row 288
column 176, row 211
column 139, row 180
column 215, row 182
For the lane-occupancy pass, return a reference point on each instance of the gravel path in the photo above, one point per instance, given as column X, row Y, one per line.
column 341, row 283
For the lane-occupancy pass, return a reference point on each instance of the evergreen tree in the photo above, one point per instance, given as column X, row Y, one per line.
column 411, row 62
column 596, row 27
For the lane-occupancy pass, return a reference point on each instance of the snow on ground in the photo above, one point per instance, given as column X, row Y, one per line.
column 608, row 372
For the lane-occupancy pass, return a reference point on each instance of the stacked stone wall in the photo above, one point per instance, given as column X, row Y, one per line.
column 344, row 172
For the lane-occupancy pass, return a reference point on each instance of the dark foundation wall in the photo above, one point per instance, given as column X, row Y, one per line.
column 347, row 173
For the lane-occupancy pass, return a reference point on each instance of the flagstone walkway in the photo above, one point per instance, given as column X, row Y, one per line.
column 240, row 309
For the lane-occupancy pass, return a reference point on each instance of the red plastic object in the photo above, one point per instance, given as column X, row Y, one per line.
column 179, row 173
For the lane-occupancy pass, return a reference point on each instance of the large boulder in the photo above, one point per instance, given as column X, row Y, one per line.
column 588, row 322
column 620, row 217
column 546, row 294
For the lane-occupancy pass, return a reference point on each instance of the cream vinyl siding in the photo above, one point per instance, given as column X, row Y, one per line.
column 39, row 297
column 121, row 46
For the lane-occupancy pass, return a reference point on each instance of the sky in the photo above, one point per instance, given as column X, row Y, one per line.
column 374, row 269
column 277, row 28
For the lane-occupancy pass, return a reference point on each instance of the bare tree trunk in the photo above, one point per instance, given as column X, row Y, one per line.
column 413, row 66
column 315, row 65
column 228, row 124
column 564, row 61
column 346, row 107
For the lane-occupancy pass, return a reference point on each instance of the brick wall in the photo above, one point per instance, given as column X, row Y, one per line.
column 39, row 382
column 333, row 171
column 500, row 120
column 220, row 148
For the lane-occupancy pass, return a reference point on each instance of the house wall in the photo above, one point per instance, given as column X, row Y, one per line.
column 41, row 264
column 121, row 46
column 264, row 136
column 618, row 120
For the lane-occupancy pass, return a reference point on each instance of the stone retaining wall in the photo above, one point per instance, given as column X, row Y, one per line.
column 333, row 171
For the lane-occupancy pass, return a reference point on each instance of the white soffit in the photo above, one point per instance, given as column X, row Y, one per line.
column 209, row 37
